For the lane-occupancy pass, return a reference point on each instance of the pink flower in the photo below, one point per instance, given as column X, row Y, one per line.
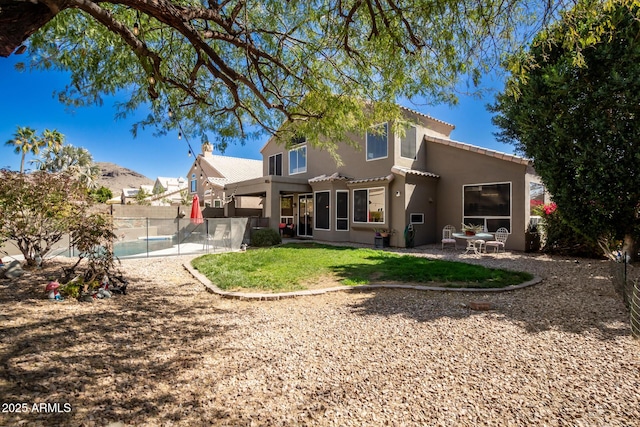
column 550, row 208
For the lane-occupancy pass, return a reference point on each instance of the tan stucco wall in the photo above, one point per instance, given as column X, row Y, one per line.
column 458, row 167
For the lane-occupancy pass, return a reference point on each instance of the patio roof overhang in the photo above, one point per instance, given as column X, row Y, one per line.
column 404, row 171
column 267, row 184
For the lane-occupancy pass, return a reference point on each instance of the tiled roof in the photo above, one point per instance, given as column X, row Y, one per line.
column 427, row 116
column 167, row 181
column 375, row 179
column 221, row 182
column 333, row 177
column 401, row 170
column 234, row 169
column 480, row 150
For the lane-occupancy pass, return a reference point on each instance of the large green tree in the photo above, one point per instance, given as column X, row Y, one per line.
column 38, row 209
column 572, row 104
column 233, row 67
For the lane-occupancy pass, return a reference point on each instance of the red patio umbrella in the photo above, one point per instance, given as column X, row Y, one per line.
column 196, row 213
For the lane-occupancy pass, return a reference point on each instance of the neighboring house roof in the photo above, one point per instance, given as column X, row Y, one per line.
column 167, row 182
column 147, row 188
column 218, row 182
column 401, row 170
column 480, row 150
column 130, row 192
column 233, row 169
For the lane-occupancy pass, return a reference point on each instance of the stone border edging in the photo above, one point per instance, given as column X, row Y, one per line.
column 265, row 297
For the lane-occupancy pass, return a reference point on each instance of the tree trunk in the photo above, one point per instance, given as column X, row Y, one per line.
column 629, row 247
column 20, row 19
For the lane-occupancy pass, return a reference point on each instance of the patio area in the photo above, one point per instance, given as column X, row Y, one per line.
column 170, row 353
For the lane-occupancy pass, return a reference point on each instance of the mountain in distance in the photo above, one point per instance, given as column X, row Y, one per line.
column 115, row 178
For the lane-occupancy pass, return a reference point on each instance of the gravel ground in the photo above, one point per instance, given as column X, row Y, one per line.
column 559, row 353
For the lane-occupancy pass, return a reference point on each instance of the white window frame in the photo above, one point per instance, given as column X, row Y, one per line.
column 421, row 221
column 384, row 198
column 485, row 218
column 366, row 151
column 341, row 218
column 296, row 150
column 193, row 187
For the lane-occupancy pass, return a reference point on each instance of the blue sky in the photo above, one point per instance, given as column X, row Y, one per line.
column 27, row 100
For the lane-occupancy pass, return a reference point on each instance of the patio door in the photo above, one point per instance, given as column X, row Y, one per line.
column 305, row 215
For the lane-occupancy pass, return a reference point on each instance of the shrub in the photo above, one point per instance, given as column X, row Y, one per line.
column 265, row 237
column 563, row 239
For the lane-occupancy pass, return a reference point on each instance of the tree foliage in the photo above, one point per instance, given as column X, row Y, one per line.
column 572, row 104
column 234, row 67
column 101, row 195
column 38, row 209
column 67, row 158
column 141, row 197
column 26, row 140
column 93, row 238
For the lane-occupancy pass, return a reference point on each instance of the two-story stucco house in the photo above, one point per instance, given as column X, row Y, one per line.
column 423, row 180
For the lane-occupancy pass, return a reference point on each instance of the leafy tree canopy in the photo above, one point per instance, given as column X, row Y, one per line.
column 572, row 104
column 235, row 67
column 67, row 158
column 38, row 209
column 25, row 140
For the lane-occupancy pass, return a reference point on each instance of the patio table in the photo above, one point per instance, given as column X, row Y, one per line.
column 475, row 242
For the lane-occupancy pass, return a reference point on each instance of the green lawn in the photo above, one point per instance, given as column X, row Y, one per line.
column 298, row 266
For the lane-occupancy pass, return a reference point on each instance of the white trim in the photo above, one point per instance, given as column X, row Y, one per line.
column 486, row 217
column 366, row 145
column 416, row 222
column 340, row 219
column 300, row 147
column 353, row 209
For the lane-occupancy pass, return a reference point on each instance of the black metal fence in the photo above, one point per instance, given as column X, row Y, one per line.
column 627, row 283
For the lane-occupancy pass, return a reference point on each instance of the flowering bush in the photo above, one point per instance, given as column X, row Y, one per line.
column 550, row 208
column 559, row 237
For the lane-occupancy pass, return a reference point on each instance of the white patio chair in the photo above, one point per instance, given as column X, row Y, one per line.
column 500, row 240
column 447, row 236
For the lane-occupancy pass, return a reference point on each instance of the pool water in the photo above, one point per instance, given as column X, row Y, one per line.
column 140, row 247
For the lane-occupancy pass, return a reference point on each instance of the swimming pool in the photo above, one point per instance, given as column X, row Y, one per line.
column 140, row 247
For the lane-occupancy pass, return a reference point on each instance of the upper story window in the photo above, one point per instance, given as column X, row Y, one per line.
column 409, row 143
column 275, row 164
column 194, row 183
column 377, row 145
column 298, row 160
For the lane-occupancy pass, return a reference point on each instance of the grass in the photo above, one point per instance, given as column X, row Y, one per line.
column 298, row 266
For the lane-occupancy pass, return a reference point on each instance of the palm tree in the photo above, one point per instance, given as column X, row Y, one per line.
column 52, row 138
column 76, row 160
column 24, row 141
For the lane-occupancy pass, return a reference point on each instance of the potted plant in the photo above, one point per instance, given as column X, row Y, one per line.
column 383, row 232
column 471, row 229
